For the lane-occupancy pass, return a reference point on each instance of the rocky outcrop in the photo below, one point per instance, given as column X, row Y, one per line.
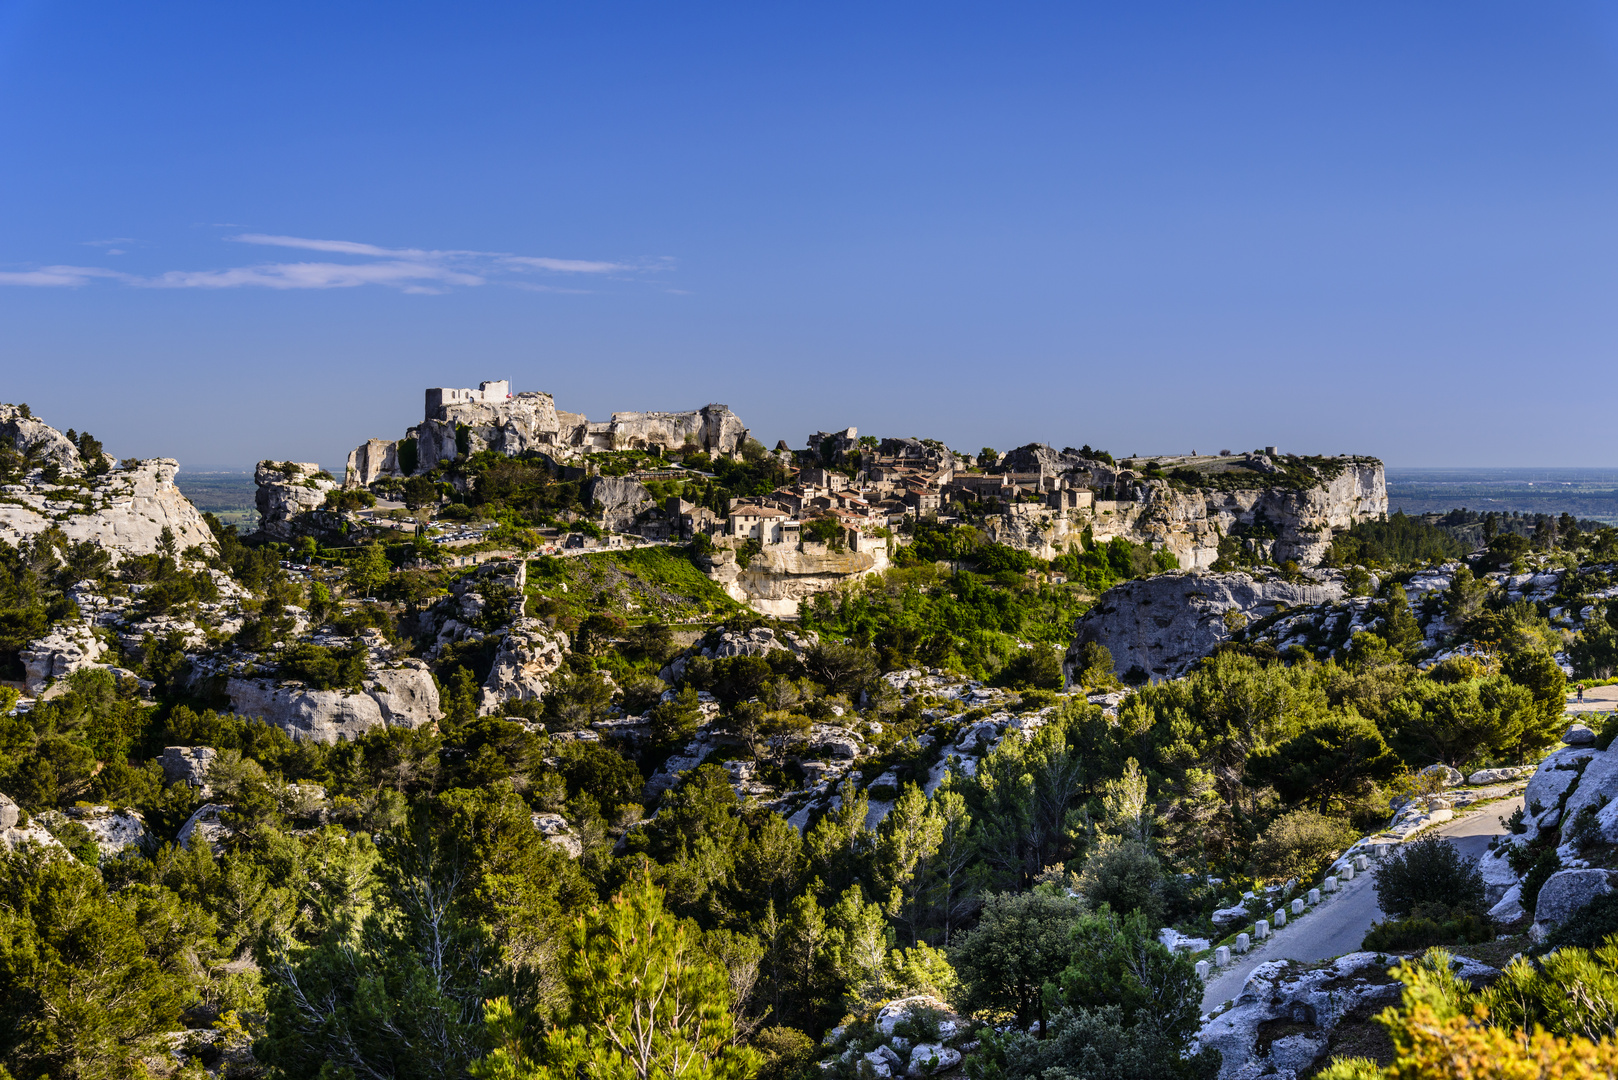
column 782, row 575
column 123, row 510
column 401, row 695
column 58, row 654
column 618, row 500
column 113, row 829
column 37, row 441
column 286, row 490
column 1310, row 1003
column 1158, row 627
column 528, row 655
column 371, row 461
column 188, row 765
column 206, row 825
column 557, row 831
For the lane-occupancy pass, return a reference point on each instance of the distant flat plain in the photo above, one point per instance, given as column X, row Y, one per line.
column 1586, row 493
column 225, row 493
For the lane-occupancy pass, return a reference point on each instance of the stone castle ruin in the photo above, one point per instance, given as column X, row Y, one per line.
column 457, row 420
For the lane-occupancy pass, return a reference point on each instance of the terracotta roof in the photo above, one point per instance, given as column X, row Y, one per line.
column 758, row 511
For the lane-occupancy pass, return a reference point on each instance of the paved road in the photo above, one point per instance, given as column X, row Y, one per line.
column 1339, row 925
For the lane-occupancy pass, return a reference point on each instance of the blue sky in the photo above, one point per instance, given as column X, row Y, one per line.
column 248, row 230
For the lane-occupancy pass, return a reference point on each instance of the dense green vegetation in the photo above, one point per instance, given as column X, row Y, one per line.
column 387, row 906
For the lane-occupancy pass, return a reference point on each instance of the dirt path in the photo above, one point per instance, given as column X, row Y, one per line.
column 1340, row 923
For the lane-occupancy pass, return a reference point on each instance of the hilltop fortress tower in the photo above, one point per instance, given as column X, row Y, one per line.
column 458, row 421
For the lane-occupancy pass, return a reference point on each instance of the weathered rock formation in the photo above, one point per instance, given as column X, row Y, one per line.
column 1292, row 512
column 400, row 695
column 123, row 509
column 113, row 829
column 528, row 655
column 1157, row 627
column 286, row 490
column 188, row 765
column 64, row 650
column 371, row 461
column 776, row 579
column 617, row 500
column 43, row 444
column 1309, row 1005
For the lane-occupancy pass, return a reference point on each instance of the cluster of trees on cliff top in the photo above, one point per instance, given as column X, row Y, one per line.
column 410, row 919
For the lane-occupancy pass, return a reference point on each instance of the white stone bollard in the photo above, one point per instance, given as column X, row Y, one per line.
column 1222, row 956
column 1346, row 873
column 1243, row 943
column 1361, row 862
column 1314, row 898
column 1261, row 930
column 1280, row 917
column 1329, row 885
column 1202, row 970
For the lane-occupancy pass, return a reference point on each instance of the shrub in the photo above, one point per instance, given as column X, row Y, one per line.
column 1300, row 844
column 1429, row 925
column 1427, row 872
column 1127, row 877
column 787, row 1052
column 1588, row 927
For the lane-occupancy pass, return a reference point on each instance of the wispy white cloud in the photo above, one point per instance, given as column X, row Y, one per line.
column 410, row 270
column 48, row 276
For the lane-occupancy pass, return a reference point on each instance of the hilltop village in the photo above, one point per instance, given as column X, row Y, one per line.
column 917, row 761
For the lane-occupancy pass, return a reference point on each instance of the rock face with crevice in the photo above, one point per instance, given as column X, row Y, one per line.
column 619, row 501
column 1158, row 627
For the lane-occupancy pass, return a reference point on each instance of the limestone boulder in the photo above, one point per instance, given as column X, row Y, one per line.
column 926, row 1059
column 206, row 825
column 1555, row 775
column 1311, row 1002
column 528, row 656
column 557, row 831
column 1446, row 776
column 114, row 829
column 1160, row 626
column 58, row 654
column 405, row 693
column 401, row 694
column 188, row 765
column 1508, row 909
column 1579, row 735
column 1498, row 876
column 319, row 715
column 1561, row 897
column 1497, row 776
column 10, row 813
column 896, row 1012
